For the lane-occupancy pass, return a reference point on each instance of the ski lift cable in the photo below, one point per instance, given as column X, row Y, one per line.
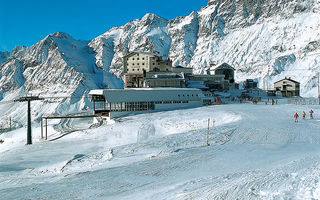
column 66, row 97
column 7, row 102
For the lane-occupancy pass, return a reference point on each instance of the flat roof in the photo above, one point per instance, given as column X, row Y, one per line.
column 142, row 89
column 148, row 94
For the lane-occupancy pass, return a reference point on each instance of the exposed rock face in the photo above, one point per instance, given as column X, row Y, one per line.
column 264, row 40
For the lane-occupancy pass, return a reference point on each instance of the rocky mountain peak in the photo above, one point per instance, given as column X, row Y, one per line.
column 60, row 35
column 151, row 19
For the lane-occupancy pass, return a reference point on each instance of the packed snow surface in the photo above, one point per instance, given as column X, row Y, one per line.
column 256, row 152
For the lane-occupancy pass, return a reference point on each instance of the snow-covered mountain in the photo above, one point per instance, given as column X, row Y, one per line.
column 264, row 40
column 57, row 66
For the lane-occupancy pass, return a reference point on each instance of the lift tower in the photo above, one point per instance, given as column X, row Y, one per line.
column 29, row 99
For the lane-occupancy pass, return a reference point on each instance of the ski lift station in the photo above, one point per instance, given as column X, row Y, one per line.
column 114, row 103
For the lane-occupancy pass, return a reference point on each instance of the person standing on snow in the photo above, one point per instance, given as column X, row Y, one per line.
column 296, row 117
column 304, row 115
column 311, row 114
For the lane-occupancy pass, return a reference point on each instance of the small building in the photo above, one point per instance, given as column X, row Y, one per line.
column 133, row 80
column 211, row 82
column 172, row 80
column 226, row 70
column 250, row 84
column 287, row 87
column 184, row 70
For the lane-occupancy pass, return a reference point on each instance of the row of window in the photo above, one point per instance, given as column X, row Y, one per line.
column 144, row 64
column 187, row 95
column 139, row 64
column 153, row 58
column 133, row 64
column 137, row 69
column 131, row 106
column 170, row 102
column 155, row 69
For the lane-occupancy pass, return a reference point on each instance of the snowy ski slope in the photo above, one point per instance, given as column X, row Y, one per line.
column 256, row 152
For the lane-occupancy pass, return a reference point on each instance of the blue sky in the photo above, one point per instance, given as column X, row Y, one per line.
column 24, row 22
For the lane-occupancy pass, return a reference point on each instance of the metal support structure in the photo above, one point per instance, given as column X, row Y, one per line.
column 61, row 117
column 41, row 128
column 10, row 124
column 318, row 74
column 29, row 129
column 207, row 144
column 29, row 134
column 46, row 129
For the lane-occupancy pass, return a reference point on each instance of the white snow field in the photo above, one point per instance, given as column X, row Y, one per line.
column 256, row 152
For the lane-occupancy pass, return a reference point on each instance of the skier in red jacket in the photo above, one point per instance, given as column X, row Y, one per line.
column 296, row 117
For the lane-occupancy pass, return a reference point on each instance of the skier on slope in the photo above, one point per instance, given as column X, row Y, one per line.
column 304, row 115
column 311, row 114
column 296, row 117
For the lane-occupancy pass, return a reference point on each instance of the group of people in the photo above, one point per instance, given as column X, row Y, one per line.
column 296, row 116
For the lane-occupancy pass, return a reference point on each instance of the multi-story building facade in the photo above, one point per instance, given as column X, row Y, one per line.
column 137, row 64
column 287, row 87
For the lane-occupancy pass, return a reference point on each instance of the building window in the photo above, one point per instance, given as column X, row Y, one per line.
column 143, row 58
column 153, row 63
column 137, row 58
column 132, row 69
column 132, row 58
column 142, row 63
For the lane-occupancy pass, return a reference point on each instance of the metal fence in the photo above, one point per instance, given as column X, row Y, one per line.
column 303, row 101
